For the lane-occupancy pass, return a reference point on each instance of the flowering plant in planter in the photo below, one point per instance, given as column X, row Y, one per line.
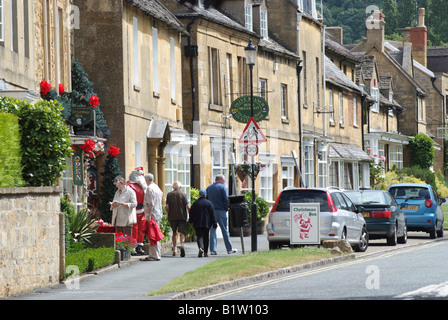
column 245, row 169
column 125, row 242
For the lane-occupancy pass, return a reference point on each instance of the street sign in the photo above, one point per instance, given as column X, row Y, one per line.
column 251, row 150
column 304, row 223
column 241, row 109
column 252, row 134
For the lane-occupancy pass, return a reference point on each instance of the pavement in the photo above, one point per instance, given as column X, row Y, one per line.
column 133, row 279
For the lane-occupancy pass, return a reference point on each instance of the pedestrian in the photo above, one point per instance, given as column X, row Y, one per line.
column 153, row 210
column 202, row 218
column 123, row 205
column 138, row 184
column 177, row 207
column 218, row 195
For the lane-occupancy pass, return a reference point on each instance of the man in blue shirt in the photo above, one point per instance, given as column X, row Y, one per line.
column 218, row 195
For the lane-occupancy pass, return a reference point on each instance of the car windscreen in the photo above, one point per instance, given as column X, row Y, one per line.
column 297, row 196
column 366, row 197
column 410, row 193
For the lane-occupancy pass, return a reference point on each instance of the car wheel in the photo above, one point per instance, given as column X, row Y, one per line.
column 364, row 244
column 404, row 238
column 440, row 232
column 433, row 232
column 392, row 240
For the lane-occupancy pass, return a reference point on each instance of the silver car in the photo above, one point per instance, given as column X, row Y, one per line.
column 339, row 217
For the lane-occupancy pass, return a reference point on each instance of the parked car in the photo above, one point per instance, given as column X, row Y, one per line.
column 339, row 217
column 421, row 207
column 384, row 217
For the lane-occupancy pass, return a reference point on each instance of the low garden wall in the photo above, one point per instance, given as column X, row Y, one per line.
column 30, row 239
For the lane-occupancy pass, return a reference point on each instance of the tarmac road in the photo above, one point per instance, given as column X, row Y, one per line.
column 135, row 279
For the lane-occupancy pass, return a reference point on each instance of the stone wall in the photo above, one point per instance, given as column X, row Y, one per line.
column 29, row 239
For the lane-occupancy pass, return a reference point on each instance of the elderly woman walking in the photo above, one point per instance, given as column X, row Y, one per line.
column 123, row 205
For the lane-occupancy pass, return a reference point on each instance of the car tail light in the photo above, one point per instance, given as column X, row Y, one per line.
column 379, row 214
column 428, row 203
column 274, row 207
column 331, row 206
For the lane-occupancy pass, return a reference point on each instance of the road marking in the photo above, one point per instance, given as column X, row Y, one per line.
column 431, row 291
column 320, row 270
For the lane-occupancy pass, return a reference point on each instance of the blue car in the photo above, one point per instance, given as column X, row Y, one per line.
column 421, row 207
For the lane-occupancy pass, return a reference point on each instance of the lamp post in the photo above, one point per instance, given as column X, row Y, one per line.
column 251, row 57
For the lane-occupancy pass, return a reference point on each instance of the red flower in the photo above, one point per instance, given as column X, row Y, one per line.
column 113, row 151
column 88, row 146
column 44, row 87
column 61, row 89
column 94, row 101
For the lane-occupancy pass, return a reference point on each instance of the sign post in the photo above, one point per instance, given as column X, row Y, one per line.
column 305, row 223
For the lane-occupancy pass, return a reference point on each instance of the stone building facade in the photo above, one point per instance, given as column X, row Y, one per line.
column 132, row 53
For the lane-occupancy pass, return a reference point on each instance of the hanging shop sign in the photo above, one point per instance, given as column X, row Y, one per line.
column 241, row 109
column 78, row 167
column 80, row 116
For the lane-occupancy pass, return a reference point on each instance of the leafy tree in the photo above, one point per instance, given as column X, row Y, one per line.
column 422, row 151
column 108, row 189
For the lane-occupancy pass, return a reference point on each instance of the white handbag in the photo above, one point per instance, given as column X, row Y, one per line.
column 133, row 217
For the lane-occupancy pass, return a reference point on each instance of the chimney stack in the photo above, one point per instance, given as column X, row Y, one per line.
column 375, row 30
column 418, row 37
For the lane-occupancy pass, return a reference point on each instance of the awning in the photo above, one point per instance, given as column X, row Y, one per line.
column 340, row 151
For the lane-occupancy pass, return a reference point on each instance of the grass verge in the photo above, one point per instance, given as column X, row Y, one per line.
column 236, row 267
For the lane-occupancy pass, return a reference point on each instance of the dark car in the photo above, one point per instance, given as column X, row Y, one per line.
column 422, row 207
column 384, row 217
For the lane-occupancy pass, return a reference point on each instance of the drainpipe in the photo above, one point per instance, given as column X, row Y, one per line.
column 299, row 70
column 192, row 52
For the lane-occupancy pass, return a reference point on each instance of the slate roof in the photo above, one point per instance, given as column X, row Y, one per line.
column 333, row 45
column 348, row 152
column 157, row 10
column 335, row 75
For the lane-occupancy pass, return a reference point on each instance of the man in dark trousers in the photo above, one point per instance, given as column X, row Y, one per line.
column 202, row 217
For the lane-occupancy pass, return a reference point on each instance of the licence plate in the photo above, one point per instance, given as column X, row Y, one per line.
column 411, row 208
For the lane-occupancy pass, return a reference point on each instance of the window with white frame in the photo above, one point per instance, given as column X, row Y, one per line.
column 264, row 23
column 284, row 101
column 264, row 88
column 341, row 108
column 420, row 108
column 267, row 178
column 155, row 60
column 177, row 168
column 355, row 112
column 220, row 156
column 322, row 168
column 248, row 17
column 308, row 172
column 334, row 174
column 331, row 105
column 287, row 171
column 173, row 68
column 214, row 76
column 376, row 96
column 391, row 99
column 135, row 51
column 396, row 155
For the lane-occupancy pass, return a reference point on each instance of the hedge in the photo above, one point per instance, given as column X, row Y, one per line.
column 90, row 259
column 10, row 152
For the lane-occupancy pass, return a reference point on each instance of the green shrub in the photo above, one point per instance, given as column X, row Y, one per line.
column 262, row 206
column 90, row 259
column 45, row 140
column 422, row 151
column 10, row 152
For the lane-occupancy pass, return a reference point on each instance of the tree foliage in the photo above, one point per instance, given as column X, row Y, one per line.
column 422, row 151
column 45, row 141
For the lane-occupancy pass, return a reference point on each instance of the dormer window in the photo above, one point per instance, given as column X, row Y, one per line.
column 376, row 96
column 248, row 17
